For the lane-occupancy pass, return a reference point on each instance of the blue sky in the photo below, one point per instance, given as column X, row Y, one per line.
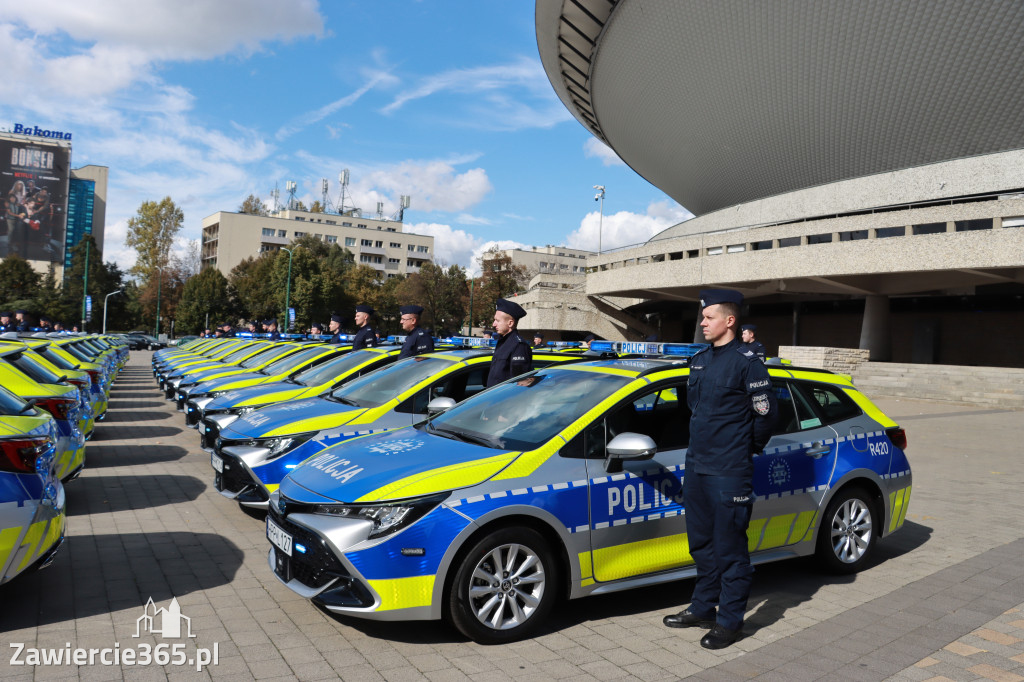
column 207, row 102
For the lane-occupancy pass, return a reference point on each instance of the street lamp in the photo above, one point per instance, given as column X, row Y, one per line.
column 105, row 308
column 159, row 281
column 85, row 283
column 287, row 289
column 600, row 221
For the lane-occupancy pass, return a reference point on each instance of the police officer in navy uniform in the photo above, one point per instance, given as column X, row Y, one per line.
column 733, row 411
column 751, row 343
column 316, row 330
column 20, row 323
column 5, row 322
column 365, row 338
column 538, row 340
column 226, row 331
column 255, row 327
column 512, row 355
column 417, row 340
column 335, row 328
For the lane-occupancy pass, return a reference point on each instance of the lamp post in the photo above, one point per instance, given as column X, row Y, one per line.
column 287, row 289
column 159, row 281
column 85, row 282
column 105, row 308
column 600, row 221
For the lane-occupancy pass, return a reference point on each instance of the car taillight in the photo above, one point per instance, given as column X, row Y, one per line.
column 20, row 456
column 95, row 375
column 81, row 383
column 60, row 408
column 898, row 437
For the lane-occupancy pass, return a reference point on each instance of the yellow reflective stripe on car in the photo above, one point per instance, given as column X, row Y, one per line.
column 869, row 408
column 32, row 542
column 642, row 556
column 754, row 530
column 803, row 528
column 443, row 478
column 898, row 500
column 821, row 377
column 906, row 506
column 318, row 423
column 777, row 531
column 403, row 593
column 8, row 538
column 586, row 568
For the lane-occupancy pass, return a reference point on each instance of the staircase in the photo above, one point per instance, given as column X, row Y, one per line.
column 1001, row 387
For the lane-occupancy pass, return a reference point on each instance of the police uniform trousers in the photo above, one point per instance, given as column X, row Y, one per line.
column 717, row 515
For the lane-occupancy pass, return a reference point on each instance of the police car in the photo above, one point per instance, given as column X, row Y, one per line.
column 252, row 454
column 568, row 481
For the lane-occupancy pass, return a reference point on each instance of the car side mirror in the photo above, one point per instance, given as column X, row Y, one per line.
column 628, row 446
column 440, row 404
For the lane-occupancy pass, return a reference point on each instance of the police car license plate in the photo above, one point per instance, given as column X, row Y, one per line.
column 279, row 537
column 218, row 464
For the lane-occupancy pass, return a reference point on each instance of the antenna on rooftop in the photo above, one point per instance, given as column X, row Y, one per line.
column 380, row 210
column 276, row 196
column 289, row 187
column 323, row 194
column 403, row 203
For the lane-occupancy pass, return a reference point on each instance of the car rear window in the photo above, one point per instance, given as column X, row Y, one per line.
column 831, row 402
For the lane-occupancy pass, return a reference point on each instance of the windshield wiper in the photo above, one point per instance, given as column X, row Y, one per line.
column 345, row 401
column 466, row 437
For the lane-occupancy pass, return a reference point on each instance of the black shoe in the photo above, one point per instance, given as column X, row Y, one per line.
column 687, row 619
column 719, row 637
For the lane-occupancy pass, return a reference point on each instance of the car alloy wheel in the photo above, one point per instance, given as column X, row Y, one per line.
column 847, row 535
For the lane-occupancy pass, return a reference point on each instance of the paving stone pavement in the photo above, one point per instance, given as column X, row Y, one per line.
column 944, row 598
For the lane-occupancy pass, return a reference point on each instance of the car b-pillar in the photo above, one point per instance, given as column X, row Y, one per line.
column 875, row 329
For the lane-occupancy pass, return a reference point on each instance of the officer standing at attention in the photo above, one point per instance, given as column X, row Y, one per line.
column 538, row 340
column 417, row 340
column 734, row 409
column 316, row 329
column 229, row 333
column 5, row 322
column 254, row 327
column 365, row 337
column 271, row 327
column 20, row 323
column 335, row 328
column 512, row 355
column 749, row 331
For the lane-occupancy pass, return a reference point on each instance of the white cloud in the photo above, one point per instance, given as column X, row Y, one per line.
column 458, row 247
column 323, row 112
column 593, row 148
column 467, row 219
column 625, row 228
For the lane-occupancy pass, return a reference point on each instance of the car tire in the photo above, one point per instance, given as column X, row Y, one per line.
column 848, row 531
column 491, row 605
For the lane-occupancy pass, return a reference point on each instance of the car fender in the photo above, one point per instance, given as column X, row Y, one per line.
column 889, row 489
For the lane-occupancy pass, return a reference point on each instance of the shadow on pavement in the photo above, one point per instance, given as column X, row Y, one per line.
column 130, row 454
column 99, row 494
column 123, row 571
column 119, row 405
column 107, row 431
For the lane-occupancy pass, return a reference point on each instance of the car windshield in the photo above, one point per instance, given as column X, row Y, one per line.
column 78, row 353
column 244, row 352
column 525, row 414
column 85, row 343
column 57, row 359
column 377, row 388
column 267, row 356
column 33, row 369
column 332, row 369
column 288, row 364
column 11, row 404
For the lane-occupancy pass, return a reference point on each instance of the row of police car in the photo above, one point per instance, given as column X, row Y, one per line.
column 403, row 488
column 54, row 388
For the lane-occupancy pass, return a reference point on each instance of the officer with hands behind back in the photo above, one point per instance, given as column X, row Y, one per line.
column 751, row 343
column 365, row 338
column 512, row 355
column 733, row 411
column 417, row 340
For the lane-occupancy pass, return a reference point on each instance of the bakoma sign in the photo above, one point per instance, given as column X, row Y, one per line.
column 39, row 132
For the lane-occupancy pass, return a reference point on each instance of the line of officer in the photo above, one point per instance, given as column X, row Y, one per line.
column 335, row 328
column 270, row 327
column 512, row 355
column 749, row 333
column 5, row 322
column 20, row 323
column 733, row 410
column 538, row 340
column 417, row 340
column 365, row 337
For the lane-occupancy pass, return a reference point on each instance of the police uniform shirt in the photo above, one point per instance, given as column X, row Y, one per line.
column 274, row 335
column 734, row 410
column 337, row 337
column 757, row 348
column 365, row 338
column 418, row 341
column 512, row 357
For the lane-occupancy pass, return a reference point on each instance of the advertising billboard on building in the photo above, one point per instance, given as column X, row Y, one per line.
column 34, row 188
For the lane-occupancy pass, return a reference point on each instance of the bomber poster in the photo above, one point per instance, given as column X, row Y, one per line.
column 34, row 189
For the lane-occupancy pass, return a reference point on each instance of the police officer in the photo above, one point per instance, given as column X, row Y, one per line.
column 254, row 326
column 271, row 327
column 335, row 328
column 733, row 411
column 749, row 331
column 226, row 330
column 5, row 322
column 45, row 324
column 316, row 330
column 538, row 340
column 512, row 355
column 20, row 323
column 365, row 338
column 417, row 340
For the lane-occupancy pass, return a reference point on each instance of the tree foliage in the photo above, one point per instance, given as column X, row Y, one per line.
column 253, row 205
column 443, row 293
column 103, row 279
column 251, row 288
column 499, row 278
column 204, row 295
column 317, row 207
column 18, row 281
column 151, row 233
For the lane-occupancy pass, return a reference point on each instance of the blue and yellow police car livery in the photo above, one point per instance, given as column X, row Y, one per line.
column 32, row 507
column 247, row 358
column 252, row 454
column 568, row 481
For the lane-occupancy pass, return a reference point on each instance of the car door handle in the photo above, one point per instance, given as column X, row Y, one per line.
column 817, row 450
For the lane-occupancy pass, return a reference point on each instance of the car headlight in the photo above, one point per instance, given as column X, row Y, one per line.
column 175, row 383
column 203, row 402
column 386, row 518
column 244, row 410
column 281, row 444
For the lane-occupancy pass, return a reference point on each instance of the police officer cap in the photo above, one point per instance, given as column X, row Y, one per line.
column 43, row 318
column 748, row 328
column 21, row 311
column 254, row 323
column 510, row 308
column 5, row 313
column 715, row 296
column 411, row 310
column 538, row 335
column 337, row 318
column 316, row 325
column 364, row 309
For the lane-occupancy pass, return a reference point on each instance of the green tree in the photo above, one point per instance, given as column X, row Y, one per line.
column 443, row 293
column 18, row 281
column 317, row 207
column 297, row 205
column 253, row 205
column 251, row 287
column 499, row 278
column 47, row 297
column 318, row 285
column 203, row 294
column 151, row 233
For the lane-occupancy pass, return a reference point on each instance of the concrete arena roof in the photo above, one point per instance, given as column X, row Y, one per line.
column 725, row 102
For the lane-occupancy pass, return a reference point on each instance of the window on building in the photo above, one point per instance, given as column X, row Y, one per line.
column 318, row 236
column 789, row 241
column 394, row 260
column 715, row 251
column 344, row 224
column 823, row 238
column 366, row 242
column 761, row 245
column 268, row 232
column 379, row 244
column 883, row 232
column 331, row 222
column 412, row 247
column 1015, row 221
column 361, row 225
column 422, row 249
column 350, row 241
column 971, row 225
column 391, row 229
column 736, row 248
column 396, row 245
column 282, row 233
column 300, row 234
column 331, row 239
column 854, row 235
column 929, row 228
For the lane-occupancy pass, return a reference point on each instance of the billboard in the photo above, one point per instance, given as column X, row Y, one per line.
column 34, row 190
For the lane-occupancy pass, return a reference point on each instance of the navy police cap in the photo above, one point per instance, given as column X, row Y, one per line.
column 538, row 335
column 748, row 328
column 364, row 309
column 510, row 308
column 316, row 325
column 337, row 318
column 269, row 321
column 716, row 296
column 411, row 310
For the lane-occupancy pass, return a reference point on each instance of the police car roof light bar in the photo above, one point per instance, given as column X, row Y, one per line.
column 565, row 344
column 684, row 350
column 471, row 341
